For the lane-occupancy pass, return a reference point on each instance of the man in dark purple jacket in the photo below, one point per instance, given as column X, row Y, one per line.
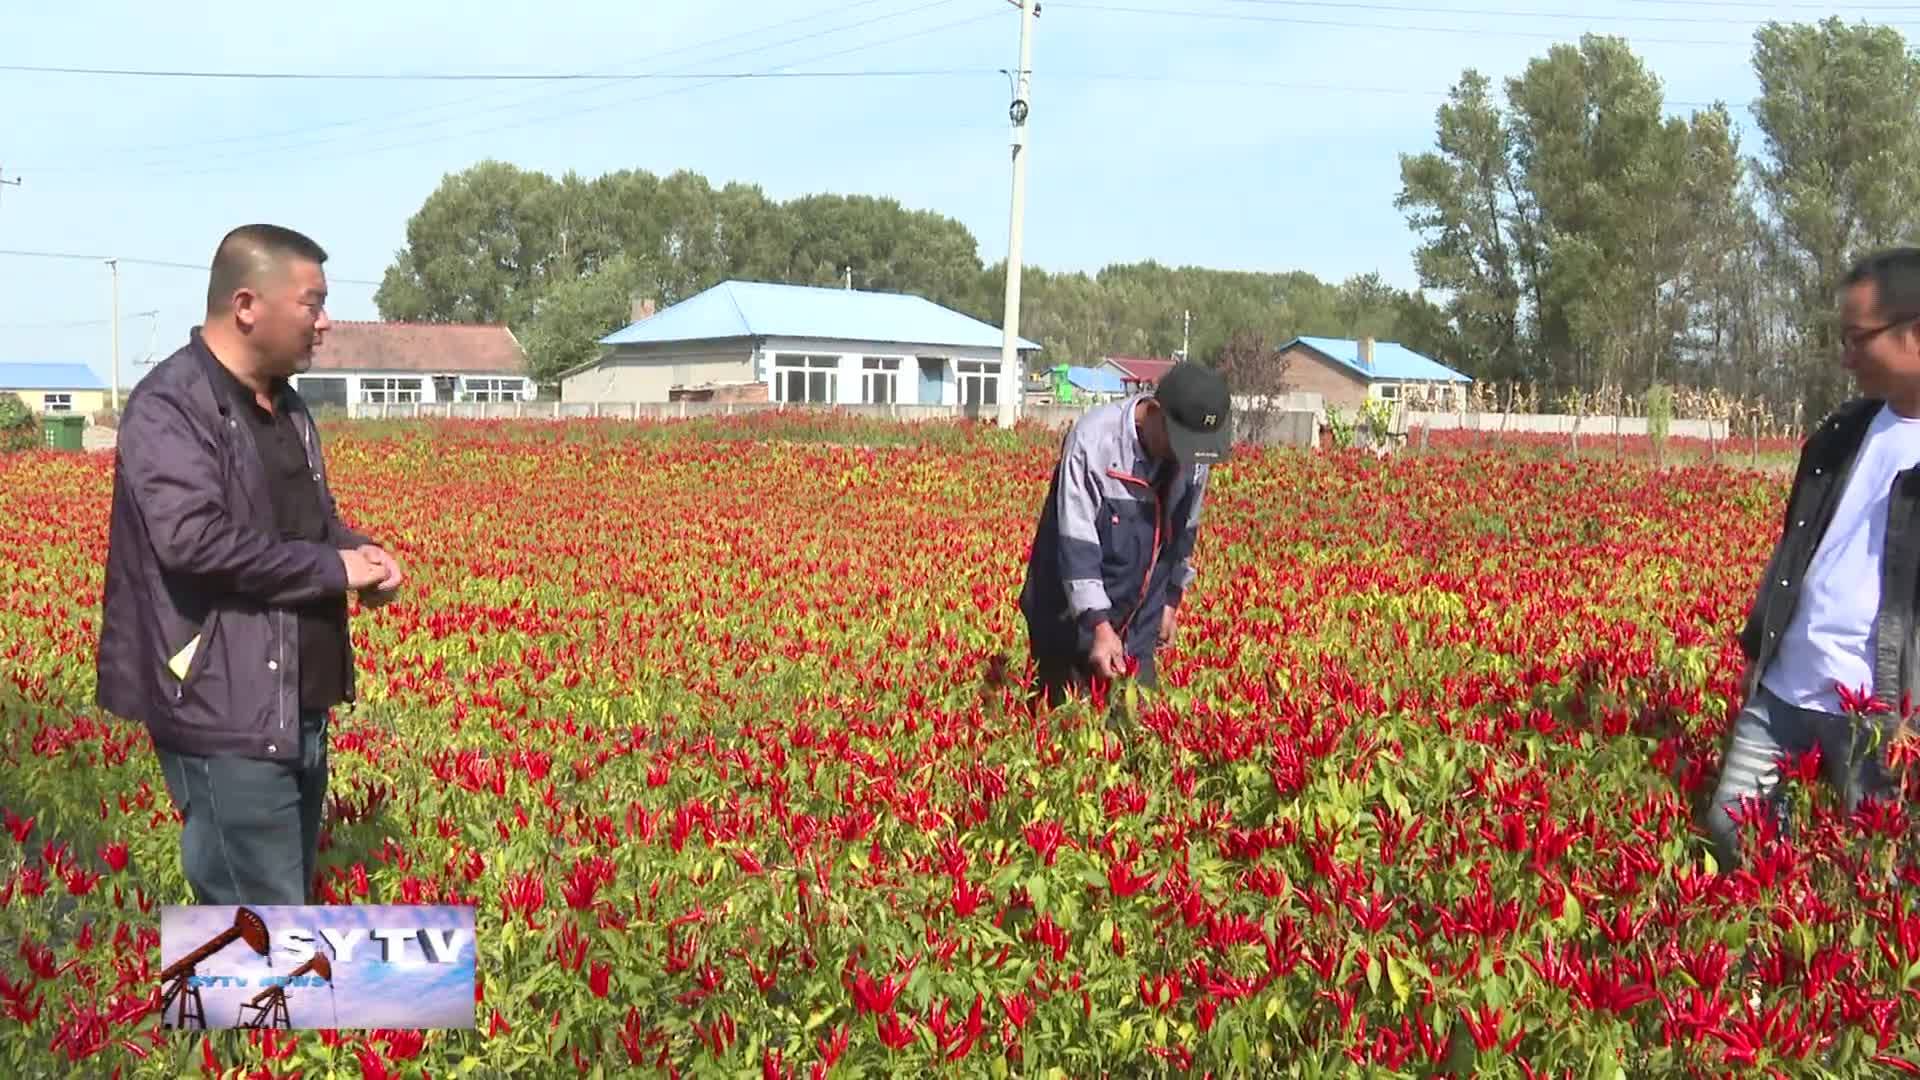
column 224, row 621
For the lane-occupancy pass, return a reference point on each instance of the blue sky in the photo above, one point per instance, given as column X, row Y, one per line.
column 366, row 992
column 1245, row 134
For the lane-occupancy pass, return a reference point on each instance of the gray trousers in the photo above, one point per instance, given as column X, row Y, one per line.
column 1768, row 729
column 252, row 832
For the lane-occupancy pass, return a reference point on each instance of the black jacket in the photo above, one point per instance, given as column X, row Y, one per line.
column 1826, row 462
column 193, row 550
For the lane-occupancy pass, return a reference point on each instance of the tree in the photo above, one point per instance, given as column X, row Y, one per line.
column 564, row 326
column 1256, row 375
column 1464, row 200
column 1622, row 193
column 1841, row 172
column 1578, row 233
column 477, row 249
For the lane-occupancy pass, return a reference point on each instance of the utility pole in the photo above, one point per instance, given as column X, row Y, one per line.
column 1012, row 378
column 1186, row 333
column 114, row 265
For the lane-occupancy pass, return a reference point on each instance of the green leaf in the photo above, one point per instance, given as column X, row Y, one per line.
column 1571, row 915
column 1037, row 888
column 1373, row 974
column 1398, row 978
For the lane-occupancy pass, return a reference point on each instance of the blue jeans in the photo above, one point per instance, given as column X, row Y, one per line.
column 252, row 831
column 1768, row 729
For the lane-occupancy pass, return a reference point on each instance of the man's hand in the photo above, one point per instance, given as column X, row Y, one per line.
column 389, row 586
column 362, row 573
column 1169, row 623
column 1109, row 656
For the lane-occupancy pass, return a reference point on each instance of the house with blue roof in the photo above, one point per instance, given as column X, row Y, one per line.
column 1347, row 373
column 54, row 387
column 798, row 344
column 1074, row 385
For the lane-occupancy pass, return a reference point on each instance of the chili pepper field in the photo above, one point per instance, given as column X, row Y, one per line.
column 718, row 726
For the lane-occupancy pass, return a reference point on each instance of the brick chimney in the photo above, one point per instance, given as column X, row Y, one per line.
column 1366, row 353
column 642, row 309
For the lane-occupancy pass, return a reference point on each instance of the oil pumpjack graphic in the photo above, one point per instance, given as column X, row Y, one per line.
column 269, row 1006
column 178, row 976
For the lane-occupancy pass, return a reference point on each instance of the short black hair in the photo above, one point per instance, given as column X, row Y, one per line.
column 1895, row 274
column 251, row 252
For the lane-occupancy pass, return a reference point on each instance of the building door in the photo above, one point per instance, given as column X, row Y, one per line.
column 933, row 371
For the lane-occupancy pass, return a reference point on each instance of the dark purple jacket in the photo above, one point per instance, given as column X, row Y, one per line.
column 193, row 549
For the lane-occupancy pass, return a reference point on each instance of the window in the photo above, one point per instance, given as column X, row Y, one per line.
column 322, row 390
column 880, row 380
column 389, row 391
column 1389, row 392
column 979, row 382
column 493, row 389
column 56, row 402
column 811, row 380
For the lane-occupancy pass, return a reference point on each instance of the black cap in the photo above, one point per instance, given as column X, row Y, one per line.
column 1197, row 407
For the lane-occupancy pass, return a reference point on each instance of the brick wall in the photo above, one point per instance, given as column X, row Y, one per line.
column 1313, row 373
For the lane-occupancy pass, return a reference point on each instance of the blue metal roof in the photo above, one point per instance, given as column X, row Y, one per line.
column 1096, row 380
column 1392, row 362
column 37, row 376
column 735, row 309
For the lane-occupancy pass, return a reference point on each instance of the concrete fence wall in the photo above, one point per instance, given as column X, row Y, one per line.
column 1292, row 421
column 1275, row 427
column 1561, row 424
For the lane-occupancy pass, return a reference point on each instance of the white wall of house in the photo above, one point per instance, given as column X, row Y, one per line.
column 647, row 373
column 404, row 387
column 796, row 370
column 877, row 372
column 61, row 401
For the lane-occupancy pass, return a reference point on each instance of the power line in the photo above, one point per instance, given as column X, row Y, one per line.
column 252, row 139
column 485, row 77
column 1293, row 20
column 161, row 263
column 1831, row 8
column 77, row 324
column 1276, row 84
column 1500, row 13
column 628, row 100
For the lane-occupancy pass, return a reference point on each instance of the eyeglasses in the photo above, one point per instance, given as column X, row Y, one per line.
column 1853, row 339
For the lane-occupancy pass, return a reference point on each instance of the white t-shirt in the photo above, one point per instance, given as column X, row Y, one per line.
column 1829, row 640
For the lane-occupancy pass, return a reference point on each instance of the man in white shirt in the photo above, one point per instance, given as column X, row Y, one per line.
column 1832, row 628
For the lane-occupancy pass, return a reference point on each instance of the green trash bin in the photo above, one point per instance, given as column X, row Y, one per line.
column 64, row 431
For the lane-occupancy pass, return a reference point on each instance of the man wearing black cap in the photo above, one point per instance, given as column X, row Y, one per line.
column 1110, row 565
